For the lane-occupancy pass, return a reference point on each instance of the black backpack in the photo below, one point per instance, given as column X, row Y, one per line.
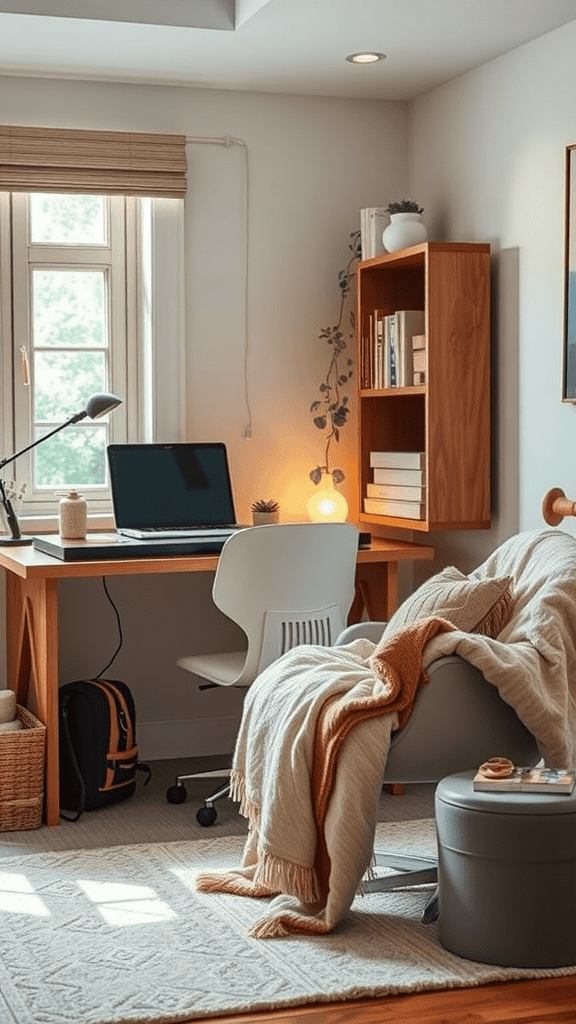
column 98, row 752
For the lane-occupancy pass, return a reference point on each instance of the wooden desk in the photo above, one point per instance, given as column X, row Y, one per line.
column 32, row 617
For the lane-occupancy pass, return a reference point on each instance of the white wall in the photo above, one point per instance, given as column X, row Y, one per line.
column 314, row 163
column 487, row 162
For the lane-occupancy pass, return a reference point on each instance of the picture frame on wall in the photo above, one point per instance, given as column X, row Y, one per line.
column 569, row 352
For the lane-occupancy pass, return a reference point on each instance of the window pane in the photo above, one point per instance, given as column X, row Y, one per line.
column 64, row 381
column 76, row 458
column 67, row 220
column 69, row 307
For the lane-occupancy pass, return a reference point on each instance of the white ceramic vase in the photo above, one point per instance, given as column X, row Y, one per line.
column 404, row 229
column 72, row 511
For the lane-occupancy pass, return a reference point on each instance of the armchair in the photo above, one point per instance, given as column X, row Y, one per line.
column 459, row 720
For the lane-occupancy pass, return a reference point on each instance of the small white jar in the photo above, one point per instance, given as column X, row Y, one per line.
column 73, row 514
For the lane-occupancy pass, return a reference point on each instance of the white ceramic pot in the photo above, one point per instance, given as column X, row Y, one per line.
column 404, row 229
column 263, row 518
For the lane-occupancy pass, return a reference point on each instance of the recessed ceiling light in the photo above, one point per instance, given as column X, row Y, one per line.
column 365, row 58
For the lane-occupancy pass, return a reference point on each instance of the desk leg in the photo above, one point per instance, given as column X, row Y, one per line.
column 376, row 591
column 32, row 655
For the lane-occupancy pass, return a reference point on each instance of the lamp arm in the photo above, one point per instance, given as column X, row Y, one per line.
column 11, row 458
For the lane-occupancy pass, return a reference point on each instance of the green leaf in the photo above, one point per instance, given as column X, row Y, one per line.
column 320, row 422
column 337, row 476
column 316, row 475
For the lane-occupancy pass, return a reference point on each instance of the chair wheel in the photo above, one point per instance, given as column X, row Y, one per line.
column 206, row 816
column 176, row 794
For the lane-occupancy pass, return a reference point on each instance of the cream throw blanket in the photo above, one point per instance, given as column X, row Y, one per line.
column 308, row 767
column 533, row 661
column 317, row 723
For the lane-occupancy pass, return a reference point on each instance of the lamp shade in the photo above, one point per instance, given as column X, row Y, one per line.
column 96, row 406
column 99, row 405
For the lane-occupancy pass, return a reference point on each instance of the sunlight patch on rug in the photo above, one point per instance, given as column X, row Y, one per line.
column 120, row 935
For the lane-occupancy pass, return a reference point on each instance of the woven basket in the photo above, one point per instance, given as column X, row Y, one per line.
column 22, row 774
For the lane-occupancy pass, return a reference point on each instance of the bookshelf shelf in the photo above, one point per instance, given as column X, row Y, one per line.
column 448, row 417
column 420, row 389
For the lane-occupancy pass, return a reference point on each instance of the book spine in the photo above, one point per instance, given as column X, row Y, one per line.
column 502, row 787
column 401, row 477
column 408, row 322
column 364, row 234
column 379, row 349
column 395, row 492
column 377, row 220
column 397, row 460
column 400, row 330
column 419, row 360
column 400, row 509
column 393, row 353
column 373, row 220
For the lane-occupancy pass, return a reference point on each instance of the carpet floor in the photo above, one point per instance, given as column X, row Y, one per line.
column 119, row 935
column 148, row 818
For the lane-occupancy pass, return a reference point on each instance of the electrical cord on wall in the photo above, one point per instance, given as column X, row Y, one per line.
column 120, row 637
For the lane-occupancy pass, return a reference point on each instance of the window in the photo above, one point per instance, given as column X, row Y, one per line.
column 80, row 302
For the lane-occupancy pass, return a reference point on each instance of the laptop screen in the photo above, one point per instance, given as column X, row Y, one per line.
column 170, row 485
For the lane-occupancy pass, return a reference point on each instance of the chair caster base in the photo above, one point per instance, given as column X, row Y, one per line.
column 206, row 816
column 430, row 912
column 176, row 794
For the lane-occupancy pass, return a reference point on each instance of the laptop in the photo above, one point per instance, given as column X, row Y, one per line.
column 172, row 491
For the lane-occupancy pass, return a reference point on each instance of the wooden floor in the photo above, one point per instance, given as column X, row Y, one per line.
column 543, row 1001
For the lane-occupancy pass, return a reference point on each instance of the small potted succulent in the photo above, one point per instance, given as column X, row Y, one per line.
column 265, row 512
column 405, row 227
column 404, row 206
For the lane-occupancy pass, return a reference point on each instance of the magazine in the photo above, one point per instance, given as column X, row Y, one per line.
column 529, row 780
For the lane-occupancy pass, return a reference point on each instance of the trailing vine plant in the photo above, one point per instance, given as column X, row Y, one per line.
column 330, row 412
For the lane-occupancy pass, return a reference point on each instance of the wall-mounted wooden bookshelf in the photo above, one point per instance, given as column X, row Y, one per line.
column 447, row 418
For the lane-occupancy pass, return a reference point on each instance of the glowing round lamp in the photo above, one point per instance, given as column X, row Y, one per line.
column 327, row 504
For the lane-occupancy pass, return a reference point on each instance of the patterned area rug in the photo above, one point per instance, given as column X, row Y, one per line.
column 119, row 935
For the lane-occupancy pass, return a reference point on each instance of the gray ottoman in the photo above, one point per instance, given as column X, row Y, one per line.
column 506, row 875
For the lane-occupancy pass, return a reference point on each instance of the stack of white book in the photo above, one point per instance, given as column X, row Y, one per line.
column 399, row 485
column 373, row 220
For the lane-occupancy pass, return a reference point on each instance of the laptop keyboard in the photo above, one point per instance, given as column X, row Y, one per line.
column 169, row 532
column 185, row 529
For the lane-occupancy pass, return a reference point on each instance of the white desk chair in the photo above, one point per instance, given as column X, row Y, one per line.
column 285, row 585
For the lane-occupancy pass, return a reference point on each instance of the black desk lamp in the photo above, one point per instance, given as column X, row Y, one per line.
column 96, row 406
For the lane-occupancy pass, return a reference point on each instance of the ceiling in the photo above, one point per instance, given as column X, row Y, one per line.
column 280, row 46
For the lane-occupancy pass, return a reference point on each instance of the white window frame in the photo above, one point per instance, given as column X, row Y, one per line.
column 147, row 365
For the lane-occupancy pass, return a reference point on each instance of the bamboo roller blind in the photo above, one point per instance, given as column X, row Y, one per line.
column 103, row 163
